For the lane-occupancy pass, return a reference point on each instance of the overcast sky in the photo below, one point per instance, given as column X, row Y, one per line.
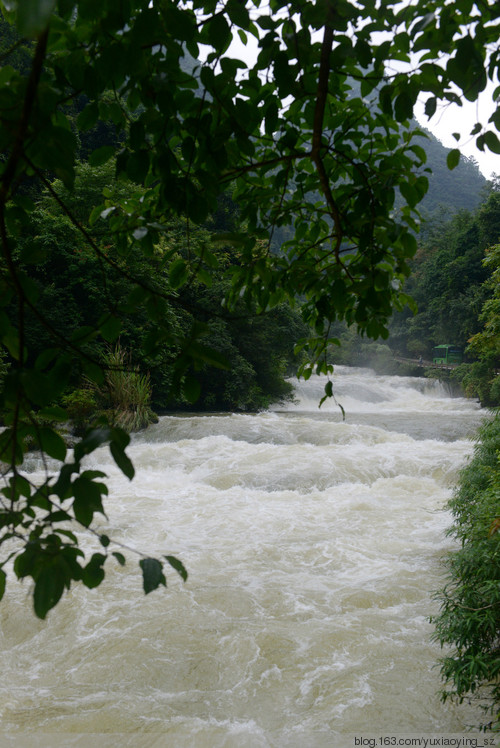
column 453, row 118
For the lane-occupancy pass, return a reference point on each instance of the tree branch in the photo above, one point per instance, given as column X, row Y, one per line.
column 319, row 115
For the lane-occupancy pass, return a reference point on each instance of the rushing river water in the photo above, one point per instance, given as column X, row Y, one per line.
column 313, row 547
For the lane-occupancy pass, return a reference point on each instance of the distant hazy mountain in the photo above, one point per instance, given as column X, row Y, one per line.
column 456, row 189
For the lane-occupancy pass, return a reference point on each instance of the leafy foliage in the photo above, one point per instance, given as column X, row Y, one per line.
column 291, row 136
column 449, row 280
column 455, row 285
column 469, row 620
column 487, row 342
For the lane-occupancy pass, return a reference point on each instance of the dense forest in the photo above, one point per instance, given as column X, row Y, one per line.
column 451, row 283
column 454, row 285
column 251, row 353
column 243, row 356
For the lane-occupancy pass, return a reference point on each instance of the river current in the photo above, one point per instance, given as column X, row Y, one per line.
column 313, row 548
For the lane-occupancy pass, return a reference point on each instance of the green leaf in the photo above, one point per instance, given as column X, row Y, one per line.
column 88, row 116
column 409, row 193
column 219, row 33
column 138, row 166
column 430, row 106
column 3, row 581
column 87, row 499
column 49, row 586
column 92, row 440
column 385, row 96
column 178, row 566
column 52, row 443
column 62, row 517
column 93, row 573
column 363, row 53
column 403, row 107
column 178, row 273
column 101, row 155
column 119, row 436
column 208, row 355
column 419, row 152
column 119, row 557
column 53, row 413
column 491, row 141
column 328, row 392
column 152, row 574
column 453, row 158
column 93, row 371
column 409, row 243
column 110, row 328
column 191, row 389
column 33, row 16
column 65, row 8
column 62, row 486
column 19, row 486
column 422, row 23
column 121, row 459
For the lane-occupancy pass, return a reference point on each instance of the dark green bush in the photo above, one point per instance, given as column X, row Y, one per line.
column 81, row 407
column 469, row 619
column 478, row 380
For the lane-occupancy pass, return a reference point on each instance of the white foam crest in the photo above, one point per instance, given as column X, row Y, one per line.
column 220, row 462
column 263, row 428
column 362, row 390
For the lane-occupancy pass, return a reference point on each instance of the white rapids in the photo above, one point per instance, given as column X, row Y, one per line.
column 313, row 548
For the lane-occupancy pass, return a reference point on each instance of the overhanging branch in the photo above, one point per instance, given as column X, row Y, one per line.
column 319, row 116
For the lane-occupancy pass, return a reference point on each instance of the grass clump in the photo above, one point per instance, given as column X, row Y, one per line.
column 123, row 399
column 126, row 393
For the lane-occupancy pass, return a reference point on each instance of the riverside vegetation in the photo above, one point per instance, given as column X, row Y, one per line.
column 469, row 621
column 141, row 195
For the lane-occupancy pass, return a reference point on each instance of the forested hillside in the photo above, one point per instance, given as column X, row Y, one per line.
column 455, row 286
column 252, row 353
column 462, row 188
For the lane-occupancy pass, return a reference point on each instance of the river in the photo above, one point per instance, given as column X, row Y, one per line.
column 313, row 547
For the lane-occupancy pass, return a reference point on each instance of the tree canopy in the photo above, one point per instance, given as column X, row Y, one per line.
column 314, row 135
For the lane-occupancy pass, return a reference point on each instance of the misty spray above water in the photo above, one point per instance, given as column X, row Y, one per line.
column 313, row 547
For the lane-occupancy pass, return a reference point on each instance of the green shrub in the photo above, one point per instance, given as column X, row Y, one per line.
column 81, row 407
column 478, row 380
column 495, row 390
column 469, row 619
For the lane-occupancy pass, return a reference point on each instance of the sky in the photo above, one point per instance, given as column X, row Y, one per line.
column 452, row 118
